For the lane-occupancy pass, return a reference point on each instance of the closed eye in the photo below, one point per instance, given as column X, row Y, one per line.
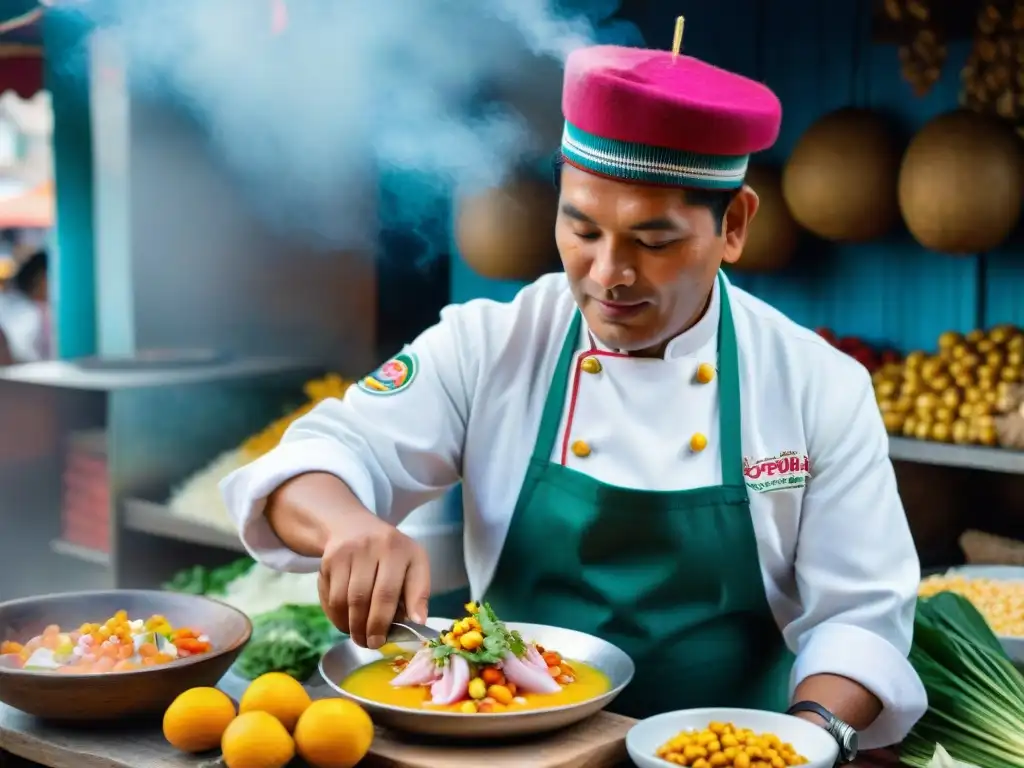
column 656, row 246
column 641, row 243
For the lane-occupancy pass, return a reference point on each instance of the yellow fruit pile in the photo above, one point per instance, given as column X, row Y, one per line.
column 275, row 721
column 317, row 391
column 952, row 396
column 1000, row 602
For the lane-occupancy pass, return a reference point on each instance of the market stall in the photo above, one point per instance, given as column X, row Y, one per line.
column 138, row 454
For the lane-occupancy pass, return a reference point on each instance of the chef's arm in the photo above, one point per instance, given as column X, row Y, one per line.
column 380, row 453
column 845, row 698
column 307, row 510
column 857, row 569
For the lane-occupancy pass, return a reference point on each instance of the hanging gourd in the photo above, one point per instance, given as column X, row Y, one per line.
column 840, row 181
column 773, row 235
column 960, row 183
column 508, row 232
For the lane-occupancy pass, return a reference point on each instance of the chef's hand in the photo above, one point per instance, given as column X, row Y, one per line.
column 369, row 571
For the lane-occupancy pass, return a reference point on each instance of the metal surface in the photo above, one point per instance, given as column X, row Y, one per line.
column 158, row 427
column 159, row 359
column 947, row 455
column 156, row 520
column 411, row 632
column 37, row 422
column 159, row 436
column 71, row 375
column 344, row 659
column 173, row 219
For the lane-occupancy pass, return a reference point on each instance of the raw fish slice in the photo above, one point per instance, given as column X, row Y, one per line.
column 441, row 689
column 421, row 670
column 527, row 678
column 534, row 659
column 454, row 683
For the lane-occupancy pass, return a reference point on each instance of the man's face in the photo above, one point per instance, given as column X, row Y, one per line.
column 640, row 260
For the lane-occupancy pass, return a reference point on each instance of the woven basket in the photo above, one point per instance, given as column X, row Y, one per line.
column 987, row 549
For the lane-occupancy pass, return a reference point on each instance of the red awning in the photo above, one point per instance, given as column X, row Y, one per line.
column 21, row 53
column 21, row 69
column 32, row 210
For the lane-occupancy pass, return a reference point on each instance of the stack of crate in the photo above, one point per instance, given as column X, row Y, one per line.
column 85, row 513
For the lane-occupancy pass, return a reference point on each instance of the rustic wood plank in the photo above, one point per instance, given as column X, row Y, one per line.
column 595, row 743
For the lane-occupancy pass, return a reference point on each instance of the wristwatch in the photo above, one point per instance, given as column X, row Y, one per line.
column 841, row 731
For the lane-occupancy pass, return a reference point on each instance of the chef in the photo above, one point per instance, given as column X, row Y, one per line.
column 648, row 453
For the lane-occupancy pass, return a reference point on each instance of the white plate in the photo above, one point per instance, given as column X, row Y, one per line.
column 1014, row 646
column 809, row 740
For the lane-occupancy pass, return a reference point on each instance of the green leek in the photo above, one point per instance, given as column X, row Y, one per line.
column 975, row 694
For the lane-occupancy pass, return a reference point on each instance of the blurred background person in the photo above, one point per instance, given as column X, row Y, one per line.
column 24, row 313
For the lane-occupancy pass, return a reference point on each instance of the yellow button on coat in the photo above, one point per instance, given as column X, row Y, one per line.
column 698, row 442
column 705, row 373
column 591, row 365
column 580, row 448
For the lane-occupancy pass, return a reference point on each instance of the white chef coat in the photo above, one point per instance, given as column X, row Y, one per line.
column 839, row 565
column 23, row 322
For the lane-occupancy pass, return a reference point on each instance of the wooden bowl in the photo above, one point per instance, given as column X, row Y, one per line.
column 117, row 695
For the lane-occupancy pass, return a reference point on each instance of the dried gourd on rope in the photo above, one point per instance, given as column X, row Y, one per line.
column 923, row 51
column 992, row 80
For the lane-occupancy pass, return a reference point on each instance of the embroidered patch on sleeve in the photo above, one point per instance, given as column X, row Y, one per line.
column 392, row 377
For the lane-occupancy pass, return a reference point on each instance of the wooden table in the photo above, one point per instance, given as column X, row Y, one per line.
column 27, row 743
column 597, row 742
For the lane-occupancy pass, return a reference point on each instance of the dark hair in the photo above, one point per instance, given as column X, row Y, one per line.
column 31, row 272
column 717, row 201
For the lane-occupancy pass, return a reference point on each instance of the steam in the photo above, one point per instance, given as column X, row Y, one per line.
column 308, row 106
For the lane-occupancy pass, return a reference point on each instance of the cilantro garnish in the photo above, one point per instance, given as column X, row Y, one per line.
column 498, row 640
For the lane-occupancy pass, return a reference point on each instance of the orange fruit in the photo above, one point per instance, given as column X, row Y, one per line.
column 197, row 719
column 276, row 694
column 257, row 740
column 333, row 733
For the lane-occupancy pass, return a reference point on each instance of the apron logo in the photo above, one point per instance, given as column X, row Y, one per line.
column 392, row 377
column 787, row 470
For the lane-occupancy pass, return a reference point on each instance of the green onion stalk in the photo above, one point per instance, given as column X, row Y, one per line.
column 975, row 693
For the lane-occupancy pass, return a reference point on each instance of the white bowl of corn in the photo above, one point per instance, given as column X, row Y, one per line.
column 729, row 738
column 997, row 591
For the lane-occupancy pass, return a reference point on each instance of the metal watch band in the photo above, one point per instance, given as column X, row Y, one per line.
column 842, row 732
column 814, row 707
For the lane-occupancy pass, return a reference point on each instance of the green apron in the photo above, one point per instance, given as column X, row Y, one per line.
column 670, row 577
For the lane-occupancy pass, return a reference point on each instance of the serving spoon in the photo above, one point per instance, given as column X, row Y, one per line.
column 406, row 631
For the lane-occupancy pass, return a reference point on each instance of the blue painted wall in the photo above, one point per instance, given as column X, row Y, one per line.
column 74, row 284
column 817, row 57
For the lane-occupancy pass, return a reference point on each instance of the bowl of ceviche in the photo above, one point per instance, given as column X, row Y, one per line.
column 729, row 738
column 93, row 656
column 481, row 678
